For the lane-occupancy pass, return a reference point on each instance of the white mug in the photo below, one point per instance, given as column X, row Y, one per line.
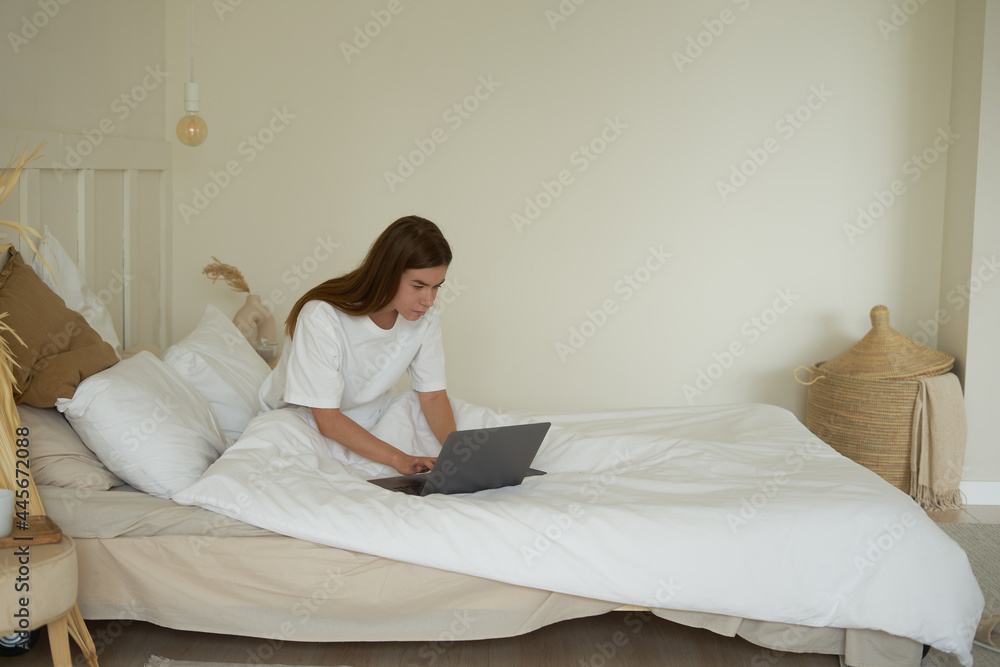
column 6, row 512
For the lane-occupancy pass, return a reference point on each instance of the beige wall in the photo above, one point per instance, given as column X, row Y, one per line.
column 983, row 362
column 91, row 68
column 952, row 318
column 767, row 269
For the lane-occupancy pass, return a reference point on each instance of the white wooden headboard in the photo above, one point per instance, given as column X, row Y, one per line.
column 107, row 199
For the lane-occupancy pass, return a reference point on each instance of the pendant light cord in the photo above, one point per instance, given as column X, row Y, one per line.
column 192, row 41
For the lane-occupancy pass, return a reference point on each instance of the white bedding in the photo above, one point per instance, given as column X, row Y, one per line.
column 729, row 510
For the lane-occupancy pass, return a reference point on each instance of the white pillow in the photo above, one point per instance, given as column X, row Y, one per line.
column 146, row 424
column 72, row 288
column 219, row 362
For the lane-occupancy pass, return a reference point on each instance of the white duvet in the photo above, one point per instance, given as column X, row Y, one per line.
column 730, row 510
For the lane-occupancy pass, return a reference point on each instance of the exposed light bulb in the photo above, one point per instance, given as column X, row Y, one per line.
column 191, row 129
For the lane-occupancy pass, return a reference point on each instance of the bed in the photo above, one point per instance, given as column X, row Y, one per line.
column 743, row 499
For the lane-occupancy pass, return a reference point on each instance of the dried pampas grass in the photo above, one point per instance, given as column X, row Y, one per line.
column 9, row 434
column 8, row 179
column 229, row 273
column 9, row 417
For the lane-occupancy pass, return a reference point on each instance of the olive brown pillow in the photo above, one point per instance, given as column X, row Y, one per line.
column 59, row 350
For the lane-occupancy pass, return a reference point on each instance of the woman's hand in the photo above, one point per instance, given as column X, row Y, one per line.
column 411, row 465
column 344, row 430
column 341, row 428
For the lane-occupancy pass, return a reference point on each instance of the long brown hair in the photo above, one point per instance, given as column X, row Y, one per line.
column 411, row 242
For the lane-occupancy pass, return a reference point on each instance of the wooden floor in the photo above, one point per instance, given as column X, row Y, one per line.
column 971, row 514
column 618, row 638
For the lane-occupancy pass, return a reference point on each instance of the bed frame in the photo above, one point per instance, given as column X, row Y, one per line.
column 112, row 203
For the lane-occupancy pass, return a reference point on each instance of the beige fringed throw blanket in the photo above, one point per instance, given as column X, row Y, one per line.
column 939, row 435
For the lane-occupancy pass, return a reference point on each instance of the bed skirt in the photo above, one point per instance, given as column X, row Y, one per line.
column 282, row 589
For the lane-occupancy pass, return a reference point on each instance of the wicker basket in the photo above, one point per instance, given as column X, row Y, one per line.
column 861, row 402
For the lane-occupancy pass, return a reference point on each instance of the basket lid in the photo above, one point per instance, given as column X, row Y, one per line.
column 885, row 353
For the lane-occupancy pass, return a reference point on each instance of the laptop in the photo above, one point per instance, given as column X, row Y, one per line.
column 474, row 460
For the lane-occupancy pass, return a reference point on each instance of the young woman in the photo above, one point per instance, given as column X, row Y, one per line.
column 351, row 338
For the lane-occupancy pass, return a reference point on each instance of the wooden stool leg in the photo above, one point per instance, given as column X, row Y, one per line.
column 59, row 641
column 78, row 630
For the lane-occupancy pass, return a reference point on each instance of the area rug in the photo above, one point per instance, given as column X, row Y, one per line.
column 159, row 661
column 982, row 544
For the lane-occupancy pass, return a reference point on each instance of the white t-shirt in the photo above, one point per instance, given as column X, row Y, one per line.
column 335, row 360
